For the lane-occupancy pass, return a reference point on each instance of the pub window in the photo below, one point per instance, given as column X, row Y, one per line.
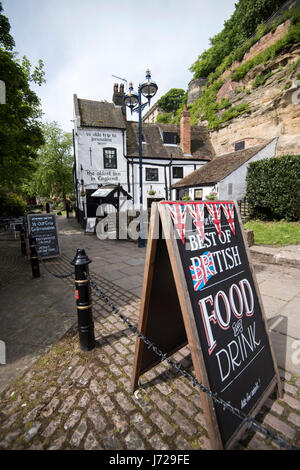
column 229, row 189
column 177, row 171
column 170, row 138
column 109, row 158
column 239, row 145
column 198, row 194
column 151, row 174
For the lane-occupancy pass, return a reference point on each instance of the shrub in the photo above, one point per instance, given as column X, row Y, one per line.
column 11, row 204
column 273, row 188
column 165, row 118
column 213, row 196
column 170, row 102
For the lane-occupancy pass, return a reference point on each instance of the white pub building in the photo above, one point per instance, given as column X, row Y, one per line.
column 106, row 157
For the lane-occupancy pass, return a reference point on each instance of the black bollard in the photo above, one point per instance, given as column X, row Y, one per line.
column 83, row 301
column 23, row 241
column 35, row 265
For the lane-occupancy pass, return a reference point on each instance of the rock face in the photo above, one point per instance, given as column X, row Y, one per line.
column 195, row 89
column 275, row 106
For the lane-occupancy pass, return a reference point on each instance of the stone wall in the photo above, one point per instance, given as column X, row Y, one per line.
column 195, row 89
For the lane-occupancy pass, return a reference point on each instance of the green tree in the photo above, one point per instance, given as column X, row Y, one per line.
column 54, row 165
column 20, row 117
column 171, row 101
column 6, row 40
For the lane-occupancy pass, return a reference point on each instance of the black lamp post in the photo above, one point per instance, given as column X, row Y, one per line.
column 134, row 101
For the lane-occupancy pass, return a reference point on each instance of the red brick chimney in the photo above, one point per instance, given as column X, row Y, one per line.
column 118, row 98
column 185, row 131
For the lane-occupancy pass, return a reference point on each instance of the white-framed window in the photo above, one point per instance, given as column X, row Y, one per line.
column 109, row 158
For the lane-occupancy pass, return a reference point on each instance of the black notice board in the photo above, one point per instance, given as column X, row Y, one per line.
column 226, row 308
column 43, row 227
column 199, row 287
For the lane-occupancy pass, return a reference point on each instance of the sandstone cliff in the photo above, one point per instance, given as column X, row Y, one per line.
column 274, row 105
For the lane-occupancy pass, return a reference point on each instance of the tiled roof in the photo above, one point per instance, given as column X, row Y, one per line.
column 201, row 147
column 100, row 114
column 219, row 168
column 103, row 114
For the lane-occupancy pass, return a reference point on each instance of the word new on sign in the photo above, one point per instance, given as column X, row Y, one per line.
column 210, row 301
column 43, row 228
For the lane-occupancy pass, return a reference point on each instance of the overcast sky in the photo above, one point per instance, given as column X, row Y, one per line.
column 84, row 43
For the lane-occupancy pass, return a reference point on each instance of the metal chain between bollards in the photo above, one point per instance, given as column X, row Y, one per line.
column 178, row 367
column 59, row 276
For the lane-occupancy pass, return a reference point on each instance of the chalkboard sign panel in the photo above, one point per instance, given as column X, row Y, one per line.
column 161, row 321
column 43, row 227
column 220, row 306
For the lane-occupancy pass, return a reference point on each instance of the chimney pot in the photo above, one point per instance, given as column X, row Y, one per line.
column 116, row 88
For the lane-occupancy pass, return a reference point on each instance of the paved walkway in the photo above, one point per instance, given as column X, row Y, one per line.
column 54, row 396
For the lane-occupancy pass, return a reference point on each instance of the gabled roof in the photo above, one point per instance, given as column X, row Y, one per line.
column 201, row 147
column 102, row 114
column 219, row 168
column 99, row 114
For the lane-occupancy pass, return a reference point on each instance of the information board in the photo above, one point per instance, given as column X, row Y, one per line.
column 213, row 282
column 43, row 227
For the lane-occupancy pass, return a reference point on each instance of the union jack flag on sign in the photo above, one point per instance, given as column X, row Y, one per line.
column 228, row 209
column 197, row 212
column 178, row 214
column 215, row 212
column 202, row 270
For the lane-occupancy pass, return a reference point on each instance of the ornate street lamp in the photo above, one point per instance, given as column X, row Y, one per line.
column 134, row 101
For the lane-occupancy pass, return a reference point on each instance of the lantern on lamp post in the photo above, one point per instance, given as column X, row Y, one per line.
column 134, row 102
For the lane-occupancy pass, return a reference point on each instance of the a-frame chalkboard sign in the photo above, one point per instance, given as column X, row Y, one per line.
column 200, row 288
column 43, row 227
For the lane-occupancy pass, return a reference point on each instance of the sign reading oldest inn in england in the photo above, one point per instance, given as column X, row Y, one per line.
column 200, row 288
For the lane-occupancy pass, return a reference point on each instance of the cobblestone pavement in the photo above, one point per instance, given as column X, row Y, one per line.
column 69, row 399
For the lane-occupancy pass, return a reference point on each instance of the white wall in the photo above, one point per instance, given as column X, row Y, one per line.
column 237, row 179
column 91, row 143
column 160, row 185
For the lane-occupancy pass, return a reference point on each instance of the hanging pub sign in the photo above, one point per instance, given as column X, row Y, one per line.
column 43, row 228
column 200, row 288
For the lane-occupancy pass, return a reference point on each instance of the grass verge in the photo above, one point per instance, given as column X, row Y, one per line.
column 277, row 233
